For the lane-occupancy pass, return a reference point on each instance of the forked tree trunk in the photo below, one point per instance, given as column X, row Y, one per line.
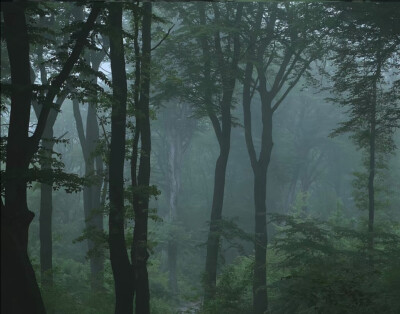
column 222, row 128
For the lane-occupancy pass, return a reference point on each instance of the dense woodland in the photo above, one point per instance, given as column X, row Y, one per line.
column 204, row 157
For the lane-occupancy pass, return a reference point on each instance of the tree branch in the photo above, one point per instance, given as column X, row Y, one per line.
column 60, row 79
column 164, row 38
column 292, row 84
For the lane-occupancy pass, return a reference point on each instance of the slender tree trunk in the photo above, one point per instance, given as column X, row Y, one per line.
column 260, row 300
column 46, row 190
column 371, row 194
column 19, row 289
column 121, row 267
column 45, row 218
column 46, row 197
column 174, row 160
column 371, row 177
column 93, row 214
column 93, row 167
column 372, row 152
column 139, row 254
column 213, row 241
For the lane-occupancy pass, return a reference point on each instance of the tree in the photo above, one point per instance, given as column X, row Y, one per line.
column 280, row 48
column 130, row 276
column 140, row 174
column 89, row 141
column 46, row 154
column 366, row 83
column 20, row 292
column 220, row 117
column 207, row 50
column 120, row 264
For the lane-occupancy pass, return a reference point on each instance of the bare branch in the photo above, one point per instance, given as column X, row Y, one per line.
column 164, row 38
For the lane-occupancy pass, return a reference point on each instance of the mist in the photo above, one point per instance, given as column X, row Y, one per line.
column 200, row 157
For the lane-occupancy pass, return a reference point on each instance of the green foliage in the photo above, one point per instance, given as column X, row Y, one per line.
column 328, row 269
column 71, row 291
column 318, row 267
column 234, row 292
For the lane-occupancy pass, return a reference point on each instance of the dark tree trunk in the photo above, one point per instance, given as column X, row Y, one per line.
column 46, row 190
column 19, row 289
column 213, row 241
column 260, row 169
column 46, row 197
column 260, row 301
column 139, row 254
column 228, row 71
column 20, row 292
column 121, row 267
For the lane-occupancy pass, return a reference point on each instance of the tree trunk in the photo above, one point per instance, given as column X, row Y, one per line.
column 174, row 163
column 260, row 169
column 93, row 167
column 121, row 267
column 20, row 292
column 93, row 214
column 213, row 241
column 228, row 72
column 260, row 301
column 46, row 190
column 139, row 254
column 371, row 194
column 45, row 218
column 372, row 151
column 19, row 289
column 371, row 191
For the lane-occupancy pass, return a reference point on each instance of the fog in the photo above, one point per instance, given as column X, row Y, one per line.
column 230, row 157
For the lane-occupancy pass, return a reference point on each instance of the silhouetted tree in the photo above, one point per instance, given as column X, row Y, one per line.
column 20, row 292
